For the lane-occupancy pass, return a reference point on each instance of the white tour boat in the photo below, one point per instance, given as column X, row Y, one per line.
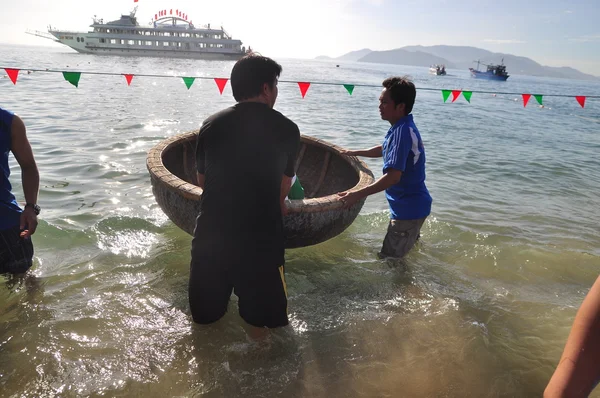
column 170, row 34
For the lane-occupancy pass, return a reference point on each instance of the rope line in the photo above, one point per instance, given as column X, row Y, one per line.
column 292, row 81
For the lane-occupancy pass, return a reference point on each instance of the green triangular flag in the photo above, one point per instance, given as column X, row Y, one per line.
column 538, row 97
column 467, row 95
column 349, row 87
column 446, row 94
column 188, row 81
column 72, row 77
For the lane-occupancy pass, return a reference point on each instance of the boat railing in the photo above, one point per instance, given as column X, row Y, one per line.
column 45, row 35
column 227, row 35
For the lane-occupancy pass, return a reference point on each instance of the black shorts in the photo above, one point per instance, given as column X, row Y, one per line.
column 16, row 253
column 261, row 290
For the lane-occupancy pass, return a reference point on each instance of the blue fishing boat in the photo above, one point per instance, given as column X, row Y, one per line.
column 493, row 72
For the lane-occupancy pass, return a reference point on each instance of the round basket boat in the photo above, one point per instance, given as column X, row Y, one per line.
column 322, row 170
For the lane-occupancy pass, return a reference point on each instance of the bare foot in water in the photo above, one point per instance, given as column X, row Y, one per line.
column 257, row 334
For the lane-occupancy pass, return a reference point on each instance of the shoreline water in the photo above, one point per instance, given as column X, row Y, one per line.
column 482, row 308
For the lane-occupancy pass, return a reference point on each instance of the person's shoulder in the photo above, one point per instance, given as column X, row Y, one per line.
column 18, row 126
column 401, row 128
column 18, row 133
column 6, row 112
column 220, row 115
column 6, row 117
column 217, row 118
column 288, row 124
column 412, row 127
column 407, row 126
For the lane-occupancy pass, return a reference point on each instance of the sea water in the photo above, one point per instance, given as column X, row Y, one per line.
column 481, row 307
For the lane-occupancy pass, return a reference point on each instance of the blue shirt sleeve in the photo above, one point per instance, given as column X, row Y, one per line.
column 398, row 148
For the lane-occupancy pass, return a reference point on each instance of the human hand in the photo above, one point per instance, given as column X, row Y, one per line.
column 349, row 199
column 28, row 223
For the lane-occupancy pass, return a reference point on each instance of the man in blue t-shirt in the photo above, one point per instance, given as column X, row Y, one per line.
column 16, row 224
column 403, row 169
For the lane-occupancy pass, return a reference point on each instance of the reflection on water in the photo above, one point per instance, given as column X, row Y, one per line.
column 361, row 329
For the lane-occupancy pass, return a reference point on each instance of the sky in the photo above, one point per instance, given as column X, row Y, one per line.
column 551, row 32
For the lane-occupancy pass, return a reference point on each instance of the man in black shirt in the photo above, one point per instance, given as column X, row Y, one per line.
column 245, row 159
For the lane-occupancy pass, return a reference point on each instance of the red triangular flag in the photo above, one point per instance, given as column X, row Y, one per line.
column 303, row 88
column 581, row 100
column 13, row 74
column 221, row 83
column 128, row 78
column 455, row 94
column 525, row 99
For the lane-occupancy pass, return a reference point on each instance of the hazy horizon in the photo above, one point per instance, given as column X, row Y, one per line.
column 562, row 34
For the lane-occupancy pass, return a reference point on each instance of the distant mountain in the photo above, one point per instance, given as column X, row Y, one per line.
column 461, row 57
column 568, row 73
column 354, row 55
column 351, row 56
column 455, row 54
column 403, row 57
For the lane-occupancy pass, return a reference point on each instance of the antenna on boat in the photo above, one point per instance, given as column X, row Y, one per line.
column 132, row 13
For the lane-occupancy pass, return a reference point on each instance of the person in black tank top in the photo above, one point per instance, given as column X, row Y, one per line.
column 17, row 224
column 245, row 157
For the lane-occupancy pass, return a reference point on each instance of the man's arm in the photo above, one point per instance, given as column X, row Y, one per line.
column 200, row 156
column 30, row 177
column 375, row 152
column 390, row 178
column 200, row 180
column 578, row 371
column 289, row 172
column 394, row 162
column 286, row 184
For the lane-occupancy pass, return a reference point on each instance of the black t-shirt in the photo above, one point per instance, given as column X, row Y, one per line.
column 243, row 152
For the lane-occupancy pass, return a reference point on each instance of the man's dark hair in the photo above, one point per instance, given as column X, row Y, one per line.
column 250, row 73
column 402, row 91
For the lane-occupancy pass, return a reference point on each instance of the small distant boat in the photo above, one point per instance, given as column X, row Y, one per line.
column 439, row 70
column 322, row 170
column 493, row 72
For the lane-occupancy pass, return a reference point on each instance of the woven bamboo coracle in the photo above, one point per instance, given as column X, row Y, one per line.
column 322, row 170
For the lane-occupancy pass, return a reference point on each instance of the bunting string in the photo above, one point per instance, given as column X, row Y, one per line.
column 73, row 77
